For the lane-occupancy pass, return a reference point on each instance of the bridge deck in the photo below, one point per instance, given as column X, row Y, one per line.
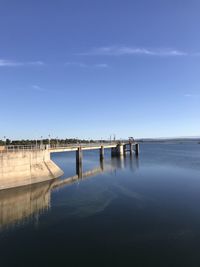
column 86, row 147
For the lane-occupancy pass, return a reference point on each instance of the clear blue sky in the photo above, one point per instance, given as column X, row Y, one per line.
column 97, row 67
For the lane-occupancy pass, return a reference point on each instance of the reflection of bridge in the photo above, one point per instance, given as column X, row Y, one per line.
column 24, row 203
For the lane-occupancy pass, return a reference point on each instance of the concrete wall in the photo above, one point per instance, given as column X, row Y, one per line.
column 26, row 167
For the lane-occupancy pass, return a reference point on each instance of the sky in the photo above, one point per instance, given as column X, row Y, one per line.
column 95, row 68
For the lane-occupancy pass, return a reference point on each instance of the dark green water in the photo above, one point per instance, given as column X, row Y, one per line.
column 140, row 212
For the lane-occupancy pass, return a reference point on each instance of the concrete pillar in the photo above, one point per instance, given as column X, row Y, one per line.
column 101, row 152
column 113, row 151
column 124, row 149
column 120, row 149
column 79, row 155
column 131, row 148
column 137, row 150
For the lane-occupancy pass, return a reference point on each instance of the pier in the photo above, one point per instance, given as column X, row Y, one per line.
column 23, row 165
column 117, row 149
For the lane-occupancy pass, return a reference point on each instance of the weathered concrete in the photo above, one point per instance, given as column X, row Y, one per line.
column 2, row 148
column 118, row 150
column 137, row 149
column 79, row 156
column 18, row 168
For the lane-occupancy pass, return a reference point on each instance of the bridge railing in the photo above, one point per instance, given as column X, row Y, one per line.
column 13, row 148
column 60, row 146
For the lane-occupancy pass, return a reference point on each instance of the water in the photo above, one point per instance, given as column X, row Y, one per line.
column 138, row 212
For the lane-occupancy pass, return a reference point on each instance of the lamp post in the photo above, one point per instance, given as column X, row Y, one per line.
column 5, row 140
column 49, row 140
column 41, row 141
column 57, row 140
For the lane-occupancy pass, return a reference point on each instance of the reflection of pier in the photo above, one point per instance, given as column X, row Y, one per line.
column 70, row 180
column 20, row 204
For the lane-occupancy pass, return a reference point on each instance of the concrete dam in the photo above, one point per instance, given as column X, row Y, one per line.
column 21, row 165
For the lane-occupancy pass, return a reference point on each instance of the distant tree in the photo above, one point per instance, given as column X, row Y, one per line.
column 8, row 142
column 2, row 143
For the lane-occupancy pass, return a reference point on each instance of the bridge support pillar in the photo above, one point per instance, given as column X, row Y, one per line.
column 137, row 149
column 124, row 150
column 101, row 152
column 79, row 156
column 131, row 148
column 118, row 150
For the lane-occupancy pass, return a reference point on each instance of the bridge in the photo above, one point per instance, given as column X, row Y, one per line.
column 117, row 149
column 22, row 165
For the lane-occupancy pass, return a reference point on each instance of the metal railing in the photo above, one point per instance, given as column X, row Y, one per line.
column 60, row 146
column 14, row 148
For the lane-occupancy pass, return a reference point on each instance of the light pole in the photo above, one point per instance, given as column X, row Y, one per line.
column 41, row 142
column 5, row 140
column 57, row 140
column 49, row 140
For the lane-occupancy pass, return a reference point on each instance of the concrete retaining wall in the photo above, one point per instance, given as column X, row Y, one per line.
column 26, row 167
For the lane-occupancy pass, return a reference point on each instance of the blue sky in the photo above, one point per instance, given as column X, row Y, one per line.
column 94, row 68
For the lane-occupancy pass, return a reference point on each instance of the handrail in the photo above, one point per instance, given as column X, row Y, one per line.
column 14, row 148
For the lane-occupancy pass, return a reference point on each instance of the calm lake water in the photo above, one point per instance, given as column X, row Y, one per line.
column 137, row 212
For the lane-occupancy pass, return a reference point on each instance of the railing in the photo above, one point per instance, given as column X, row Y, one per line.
column 13, row 148
column 60, row 146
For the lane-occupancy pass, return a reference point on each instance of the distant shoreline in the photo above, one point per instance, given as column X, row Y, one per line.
column 169, row 141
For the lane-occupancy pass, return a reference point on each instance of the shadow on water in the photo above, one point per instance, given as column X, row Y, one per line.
column 24, row 204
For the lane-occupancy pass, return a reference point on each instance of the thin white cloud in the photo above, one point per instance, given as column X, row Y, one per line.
column 197, row 54
column 12, row 63
column 37, row 88
column 101, row 65
column 76, row 64
column 125, row 50
column 192, row 95
column 84, row 65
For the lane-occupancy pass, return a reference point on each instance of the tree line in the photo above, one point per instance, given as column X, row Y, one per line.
column 47, row 141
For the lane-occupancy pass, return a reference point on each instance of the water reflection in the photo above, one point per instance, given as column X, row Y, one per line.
column 128, row 161
column 20, row 205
